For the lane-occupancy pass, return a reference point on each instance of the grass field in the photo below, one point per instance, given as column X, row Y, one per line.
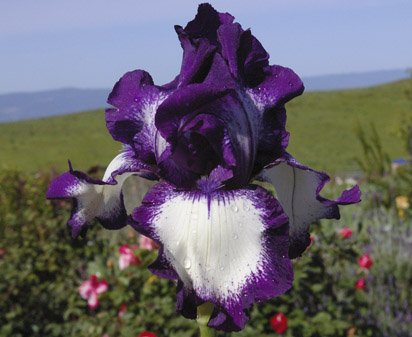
column 321, row 124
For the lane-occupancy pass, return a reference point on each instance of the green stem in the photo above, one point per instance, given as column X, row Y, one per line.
column 204, row 312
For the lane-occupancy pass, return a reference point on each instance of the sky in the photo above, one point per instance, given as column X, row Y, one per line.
column 51, row 44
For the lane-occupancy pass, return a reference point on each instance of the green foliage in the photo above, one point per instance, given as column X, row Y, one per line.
column 321, row 123
column 374, row 162
column 43, row 268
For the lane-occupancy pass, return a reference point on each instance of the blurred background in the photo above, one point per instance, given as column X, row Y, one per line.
column 59, row 61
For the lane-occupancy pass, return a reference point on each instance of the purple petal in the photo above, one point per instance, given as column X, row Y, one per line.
column 195, row 63
column 273, row 138
column 225, row 247
column 97, row 199
column 246, row 57
column 131, row 122
column 279, row 86
column 298, row 188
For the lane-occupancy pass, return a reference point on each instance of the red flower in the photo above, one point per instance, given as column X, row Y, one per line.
column 146, row 334
column 360, row 284
column 345, row 232
column 122, row 310
column 279, row 323
column 365, row 261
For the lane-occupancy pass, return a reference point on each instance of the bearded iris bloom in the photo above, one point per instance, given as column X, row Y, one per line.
column 215, row 139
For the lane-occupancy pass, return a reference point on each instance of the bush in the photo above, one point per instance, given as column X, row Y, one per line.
column 42, row 268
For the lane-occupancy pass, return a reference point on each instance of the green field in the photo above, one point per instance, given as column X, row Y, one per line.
column 321, row 124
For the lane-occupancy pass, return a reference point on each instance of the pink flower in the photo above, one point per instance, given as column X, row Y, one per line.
column 90, row 290
column 360, row 284
column 146, row 243
column 127, row 256
column 345, row 232
column 365, row 261
column 122, row 310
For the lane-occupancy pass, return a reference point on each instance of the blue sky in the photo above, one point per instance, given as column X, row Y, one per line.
column 49, row 44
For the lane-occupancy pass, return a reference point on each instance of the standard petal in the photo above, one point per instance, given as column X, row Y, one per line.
column 98, row 199
column 226, row 247
column 279, row 86
column 135, row 99
column 298, row 189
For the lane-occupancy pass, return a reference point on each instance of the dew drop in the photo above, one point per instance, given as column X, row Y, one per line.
column 187, row 263
column 222, row 268
column 235, row 208
column 235, row 236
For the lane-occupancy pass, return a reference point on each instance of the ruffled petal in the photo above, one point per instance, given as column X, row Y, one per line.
column 279, row 86
column 135, row 99
column 245, row 55
column 298, row 189
column 225, row 247
column 98, row 199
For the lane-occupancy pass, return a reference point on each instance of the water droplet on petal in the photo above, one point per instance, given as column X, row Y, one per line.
column 235, row 208
column 235, row 236
column 222, row 268
column 187, row 263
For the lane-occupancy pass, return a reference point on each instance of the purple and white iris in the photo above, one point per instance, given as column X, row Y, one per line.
column 208, row 137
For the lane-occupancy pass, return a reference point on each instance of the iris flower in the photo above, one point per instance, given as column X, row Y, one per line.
column 215, row 140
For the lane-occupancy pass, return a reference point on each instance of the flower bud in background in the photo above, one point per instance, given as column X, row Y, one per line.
column 365, row 261
column 360, row 284
column 279, row 323
column 146, row 334
column 122, row 310
column 345, row 233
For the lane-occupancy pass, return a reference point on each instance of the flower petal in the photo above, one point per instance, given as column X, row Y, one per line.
column 226, row 247
column 298, row 190
column 102, row 287
column 93, row 301
column 85, row 289
column 279, row 86
column 98, row 199
column 131, row 122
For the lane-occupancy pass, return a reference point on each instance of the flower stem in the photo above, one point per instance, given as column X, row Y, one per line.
column 204, row 312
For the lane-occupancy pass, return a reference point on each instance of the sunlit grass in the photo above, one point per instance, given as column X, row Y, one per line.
column 321, row 124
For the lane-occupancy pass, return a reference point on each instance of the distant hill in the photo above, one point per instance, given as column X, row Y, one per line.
column 353, row 80
column 321, row 125
column 22, row 106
